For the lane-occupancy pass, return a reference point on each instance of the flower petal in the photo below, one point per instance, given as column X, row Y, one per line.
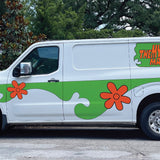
column 22, row 85
column 122, row 90
column 13, row 94
column 119, row 105
column 112, row 88
column 24, row 92
column 19, row 95
column 109, row 103
column 10, row 89
column 125, row 99
column 15, row 84
column 105, row 95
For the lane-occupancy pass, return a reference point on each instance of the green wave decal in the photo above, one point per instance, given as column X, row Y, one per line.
column 87, row 89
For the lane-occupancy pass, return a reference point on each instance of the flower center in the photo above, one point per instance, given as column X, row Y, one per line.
column 116, row 96
column 17, row 90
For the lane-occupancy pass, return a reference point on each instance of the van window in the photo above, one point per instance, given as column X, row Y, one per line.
column 44, row 60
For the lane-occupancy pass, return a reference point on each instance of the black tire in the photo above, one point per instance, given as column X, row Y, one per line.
column 150, row 121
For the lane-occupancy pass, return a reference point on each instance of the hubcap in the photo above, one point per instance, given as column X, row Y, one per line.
column 154, row 121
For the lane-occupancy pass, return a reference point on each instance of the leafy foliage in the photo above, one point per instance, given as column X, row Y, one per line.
column 145, row 15
column 128, row 33
column 118, row 14
column 55, row 19
column 14, row 35
column 2, row 7
column 108, row 33
column 94, row 34
column 78, row 19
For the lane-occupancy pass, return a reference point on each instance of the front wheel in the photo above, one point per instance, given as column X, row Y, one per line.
column 150, row 121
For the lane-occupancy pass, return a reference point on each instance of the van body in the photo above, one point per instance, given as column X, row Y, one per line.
column 103, row 80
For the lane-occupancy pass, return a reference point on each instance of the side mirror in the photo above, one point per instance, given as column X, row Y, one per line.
column 25, row 68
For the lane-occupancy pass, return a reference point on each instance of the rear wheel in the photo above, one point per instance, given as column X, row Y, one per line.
column 150, row 120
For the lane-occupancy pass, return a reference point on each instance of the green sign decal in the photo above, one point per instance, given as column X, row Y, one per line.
column 147, row 54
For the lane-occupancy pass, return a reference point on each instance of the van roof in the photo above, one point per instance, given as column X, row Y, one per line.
column 106, row 40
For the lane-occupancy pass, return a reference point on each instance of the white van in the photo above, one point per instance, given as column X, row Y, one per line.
column 92, row 81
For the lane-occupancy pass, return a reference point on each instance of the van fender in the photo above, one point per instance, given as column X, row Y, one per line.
column 141, row 92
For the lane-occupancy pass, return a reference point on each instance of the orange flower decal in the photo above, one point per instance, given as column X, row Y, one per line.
column 116, row 96
column 17, row 90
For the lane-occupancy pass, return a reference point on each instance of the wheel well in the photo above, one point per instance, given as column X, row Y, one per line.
column 147, row 100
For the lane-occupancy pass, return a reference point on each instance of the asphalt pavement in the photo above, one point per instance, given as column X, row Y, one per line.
column 78, row 143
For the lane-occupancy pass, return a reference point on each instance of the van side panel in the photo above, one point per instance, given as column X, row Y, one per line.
column 91, row 72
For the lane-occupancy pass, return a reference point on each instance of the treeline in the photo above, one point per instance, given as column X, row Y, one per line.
column 76, row 19
column 23, row 22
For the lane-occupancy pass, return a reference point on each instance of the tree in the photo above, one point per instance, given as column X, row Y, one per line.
column 94, row 34
column 14, row 35
column 75, row 4
column 55, row 19
column 105, row 12
column 108, row 33
column 146, row 16
column 128, row 33
column 72, row 19
column 118, row 14
column 2, row 8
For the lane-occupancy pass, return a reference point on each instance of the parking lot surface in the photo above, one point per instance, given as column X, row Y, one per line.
column 67, row 143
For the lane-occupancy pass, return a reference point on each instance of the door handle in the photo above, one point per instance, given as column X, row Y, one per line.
column 53, row 80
